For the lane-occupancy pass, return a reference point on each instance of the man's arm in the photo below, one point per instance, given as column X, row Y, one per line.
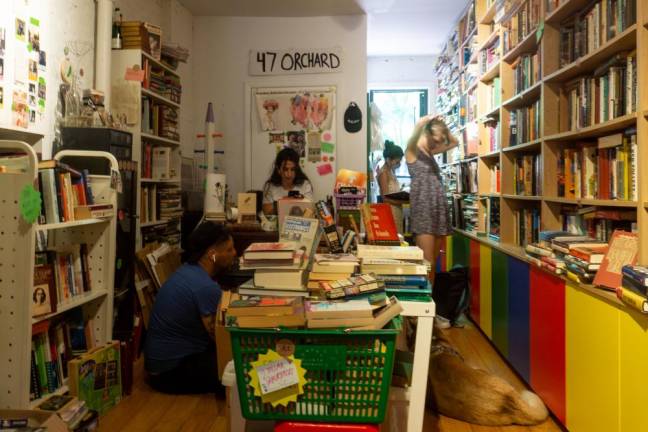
column 209, row 322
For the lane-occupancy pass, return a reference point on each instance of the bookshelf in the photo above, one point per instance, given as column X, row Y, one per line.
column 156, row 142
column 17, row 251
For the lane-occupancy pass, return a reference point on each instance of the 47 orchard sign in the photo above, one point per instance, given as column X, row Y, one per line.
column 289, row 62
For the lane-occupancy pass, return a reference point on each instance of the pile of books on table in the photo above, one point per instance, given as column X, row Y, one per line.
column 402, row 269
column 75, row 413
column 358, row 314
column 634, row 287
column 577, row 256
column 331, row 267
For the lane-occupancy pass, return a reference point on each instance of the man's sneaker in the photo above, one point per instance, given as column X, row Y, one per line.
column 441, row 323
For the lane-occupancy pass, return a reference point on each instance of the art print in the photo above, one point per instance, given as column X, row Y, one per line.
column 268, row 122
column 33, row 70
column 42, row 60
column 34, row 40
column 19, row 108
column 277, row 138
column 1, row 69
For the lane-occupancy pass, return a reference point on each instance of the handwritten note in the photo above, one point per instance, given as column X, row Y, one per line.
column 133, row 74
column 277, row 375
column 324, row 169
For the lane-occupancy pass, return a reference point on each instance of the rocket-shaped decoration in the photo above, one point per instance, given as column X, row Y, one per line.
column 210, row 140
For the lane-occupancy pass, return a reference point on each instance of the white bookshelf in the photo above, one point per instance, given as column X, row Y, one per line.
column 17, row 249
column 128, row 58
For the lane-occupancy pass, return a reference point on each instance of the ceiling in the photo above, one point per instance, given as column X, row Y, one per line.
column 395, row 27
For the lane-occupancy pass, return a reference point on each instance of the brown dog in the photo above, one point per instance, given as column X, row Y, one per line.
column 476, row 396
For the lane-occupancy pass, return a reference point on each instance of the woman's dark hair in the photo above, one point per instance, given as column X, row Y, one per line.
column 286, row 154
column 392, row 151
column 35, row 295
column 206, row 235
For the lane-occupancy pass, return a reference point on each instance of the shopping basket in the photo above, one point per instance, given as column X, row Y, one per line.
column 348, row 373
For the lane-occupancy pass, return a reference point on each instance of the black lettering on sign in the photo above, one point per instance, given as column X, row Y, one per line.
column 287, row 65
column 297, row 62
column 274, row 57
column 324, row 60
column 311, row 59
column 261, row 59
column 335, row 61
column 317, row 61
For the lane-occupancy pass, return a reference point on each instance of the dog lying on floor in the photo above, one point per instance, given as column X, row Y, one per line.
column 476, row 396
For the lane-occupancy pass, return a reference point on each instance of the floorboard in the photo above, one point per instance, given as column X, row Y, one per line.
column 147, row 410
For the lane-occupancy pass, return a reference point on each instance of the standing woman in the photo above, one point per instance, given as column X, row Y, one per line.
column 388, row 182
column 429, row 216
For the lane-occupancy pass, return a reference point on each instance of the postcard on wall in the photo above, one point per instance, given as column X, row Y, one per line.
column 1, row 69
column 34, row 40
column 1, row 97
column 297, row 142
column 21, row 29
column 3, row 37
column 277, row 138
column 33, row 70
column 42, row 60
column 19, row 107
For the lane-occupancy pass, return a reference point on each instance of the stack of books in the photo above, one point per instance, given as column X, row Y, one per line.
column 330, row 267
column 634, row 287
column 363, row 285
column 279, row 270
column 356, row 314
column 266, row 312
column 402, row 269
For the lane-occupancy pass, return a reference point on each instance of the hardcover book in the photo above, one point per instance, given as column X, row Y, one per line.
column 622, row 251
column 379, row 223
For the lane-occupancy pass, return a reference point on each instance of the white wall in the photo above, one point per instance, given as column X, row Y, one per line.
column 221, row 49
column 63, row 23
column 177, row 27
column 396, row 72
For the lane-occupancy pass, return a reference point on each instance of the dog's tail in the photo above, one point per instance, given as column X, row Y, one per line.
column 531, row 409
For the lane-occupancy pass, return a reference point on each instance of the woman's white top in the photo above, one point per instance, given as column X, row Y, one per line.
column 273, row 193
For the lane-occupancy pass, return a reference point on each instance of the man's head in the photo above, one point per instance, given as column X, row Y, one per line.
column 211, row 246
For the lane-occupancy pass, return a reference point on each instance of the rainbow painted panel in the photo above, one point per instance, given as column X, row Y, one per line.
column 592, row 336
column 485, row 290
column 633, row 373
column 518, row 316
column 500, row 301
column 547, row 339
column 475, row 298
column 460, row 250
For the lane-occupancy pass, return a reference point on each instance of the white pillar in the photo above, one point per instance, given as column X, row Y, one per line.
column 103, row 48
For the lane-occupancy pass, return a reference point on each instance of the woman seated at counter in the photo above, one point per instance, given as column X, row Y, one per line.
column 287, row 180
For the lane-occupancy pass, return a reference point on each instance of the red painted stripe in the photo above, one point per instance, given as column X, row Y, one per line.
column 547, row 340
column 474, row 281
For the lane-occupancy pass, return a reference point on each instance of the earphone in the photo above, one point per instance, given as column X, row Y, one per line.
column 214, row 259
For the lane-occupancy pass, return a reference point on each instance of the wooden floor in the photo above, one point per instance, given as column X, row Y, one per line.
column 146, row 410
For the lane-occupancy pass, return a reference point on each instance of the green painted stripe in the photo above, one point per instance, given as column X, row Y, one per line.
column 500, row 301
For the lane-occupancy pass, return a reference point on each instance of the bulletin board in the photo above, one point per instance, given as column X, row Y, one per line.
column 303, row 118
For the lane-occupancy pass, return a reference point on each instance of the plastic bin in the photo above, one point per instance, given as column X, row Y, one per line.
column 348, row 373
column 348, row 201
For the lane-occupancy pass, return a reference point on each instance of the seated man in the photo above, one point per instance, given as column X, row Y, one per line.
column 180, row 351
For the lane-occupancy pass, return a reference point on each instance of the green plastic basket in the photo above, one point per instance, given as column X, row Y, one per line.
column 348, row 373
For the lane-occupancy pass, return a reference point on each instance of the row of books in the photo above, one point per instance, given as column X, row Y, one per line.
column 60, row 276
column 493, row 130
column 157, row 162
column 495, row 179
column 463, row 177
column 489, row 56
column 160, row 202
column 142, row 35
column 521, row 24
column 634, row 287
column 527, row 175
column 526, row 224
column 609, row 93
column 492, row 216
column 159, row 119
column 465, row 211
column 596, row 222
column 168, row 232
column 54, row 344
column 593, row 27
column 495, row 93
column 524, row 124
column 527, row 71
column 63, row 190
column 607, row 170
column 468, row 109
column 160, row 81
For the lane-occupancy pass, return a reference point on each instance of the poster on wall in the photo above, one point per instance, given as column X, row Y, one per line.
column 306, row 110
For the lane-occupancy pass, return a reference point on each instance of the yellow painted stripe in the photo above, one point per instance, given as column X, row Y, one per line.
column 633, row 373
column 485, row 290
column 448, row 248
column 592, row 351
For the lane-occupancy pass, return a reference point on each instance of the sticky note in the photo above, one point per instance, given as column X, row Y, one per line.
column 327, row 147
column 134, row 74
column 324, row 169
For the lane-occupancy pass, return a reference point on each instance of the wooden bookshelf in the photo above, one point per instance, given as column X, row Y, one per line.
column 597, row 130
column 489, row 15
column 492, row 73
column 160, row 140
column 492, row 155
column 524, row 98
column 527, row 45
column 565, row 10
column 522, row 197
column 524, row 147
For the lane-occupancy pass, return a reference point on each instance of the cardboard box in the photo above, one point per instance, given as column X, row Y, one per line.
column 222, row 336
column 95, row 377
column 46, row 419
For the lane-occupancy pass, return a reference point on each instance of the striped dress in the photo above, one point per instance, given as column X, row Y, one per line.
column 429, row 206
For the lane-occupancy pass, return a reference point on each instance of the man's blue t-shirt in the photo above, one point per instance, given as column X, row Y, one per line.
column 175, row 328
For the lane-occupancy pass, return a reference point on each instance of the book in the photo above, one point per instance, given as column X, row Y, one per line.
column 303, row 232
column 262, row 305
column 338, row 309
column 591, row 254
column 335, row 263
column 412, row 280
column 384, row 315
column 413, row 253
column 629, row 283
column 352, row 286
column 272, row 250
column 252, row 264
column 348, row 322
column 328, row 276
column 392, row 267
column 637, row 273
column 281, row 279
column 622, row 251
column 632, row 299
column 379, row 224
column 294, row 319
column 44, row 297
column 248, row 288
